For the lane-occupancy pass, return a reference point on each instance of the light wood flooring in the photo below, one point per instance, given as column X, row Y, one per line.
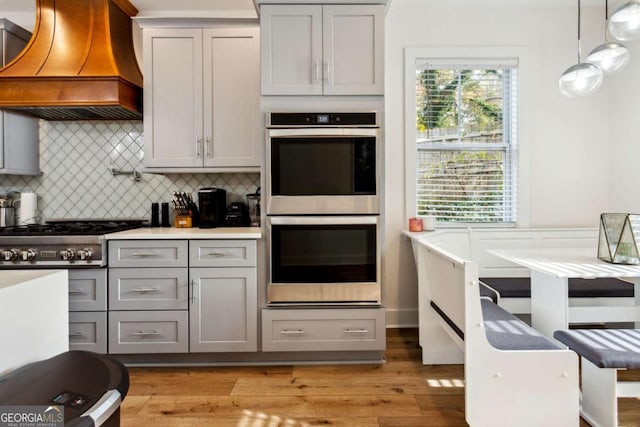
column 400, row 393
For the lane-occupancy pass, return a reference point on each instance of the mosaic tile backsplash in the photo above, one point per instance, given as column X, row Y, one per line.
column 76, row 159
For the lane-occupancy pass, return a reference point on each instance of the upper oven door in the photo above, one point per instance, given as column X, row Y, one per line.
column 323, row 171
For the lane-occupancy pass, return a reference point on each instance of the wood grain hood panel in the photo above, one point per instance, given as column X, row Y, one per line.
column 79, row 64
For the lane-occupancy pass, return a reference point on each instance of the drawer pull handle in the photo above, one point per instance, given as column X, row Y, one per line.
column 76, row 334
column 219, row 254
column 142, row 290
column 356, row 331
column 143, row 254
column 74, row 291
column 145, row 334
column 292, row 331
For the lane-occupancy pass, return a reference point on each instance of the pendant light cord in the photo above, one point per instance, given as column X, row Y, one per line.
column 579, row 46
column 606, row 18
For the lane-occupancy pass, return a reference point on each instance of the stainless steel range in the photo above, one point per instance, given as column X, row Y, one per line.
column 59, row 244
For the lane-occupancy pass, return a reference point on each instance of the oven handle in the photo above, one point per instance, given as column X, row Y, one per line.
column 323, row 220
column 322, row 132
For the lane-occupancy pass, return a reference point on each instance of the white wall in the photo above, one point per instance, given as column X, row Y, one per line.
column 624, row 135
column 564, row 141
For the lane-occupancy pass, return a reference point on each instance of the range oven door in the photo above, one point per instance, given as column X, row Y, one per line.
column 323, row 171
column 330, row 260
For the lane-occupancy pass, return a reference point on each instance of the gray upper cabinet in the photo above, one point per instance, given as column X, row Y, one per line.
column 322, row 49
column 19, row 134
column 202, row 99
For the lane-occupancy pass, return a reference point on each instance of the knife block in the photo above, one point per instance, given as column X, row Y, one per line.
column 183, row 221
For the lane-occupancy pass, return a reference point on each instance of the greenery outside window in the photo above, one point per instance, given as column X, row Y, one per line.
column 466, row 140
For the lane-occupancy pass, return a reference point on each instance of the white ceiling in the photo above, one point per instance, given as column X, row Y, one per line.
column 246, row 5
column 151, row 5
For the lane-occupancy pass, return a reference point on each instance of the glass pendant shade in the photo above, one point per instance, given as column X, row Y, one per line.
column 624, row 24
column 580, row 79
column 609, row 57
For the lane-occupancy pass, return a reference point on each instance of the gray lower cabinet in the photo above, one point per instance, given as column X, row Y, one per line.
column 148, row 289
column 148, row 296
column 160, row 303
column 148, row 332
column 223, row 311
column 348, row 329
column 88, row 331
column 88, row 310
column 148, row 253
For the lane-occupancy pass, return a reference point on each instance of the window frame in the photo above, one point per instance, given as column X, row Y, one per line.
column 519, row 170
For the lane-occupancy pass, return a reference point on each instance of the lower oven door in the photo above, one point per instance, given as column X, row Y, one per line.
column 328, row 260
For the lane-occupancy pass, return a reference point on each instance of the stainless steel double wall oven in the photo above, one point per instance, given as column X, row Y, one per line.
column 323, row 206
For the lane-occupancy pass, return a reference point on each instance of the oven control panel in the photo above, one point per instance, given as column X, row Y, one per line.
column 346, row 119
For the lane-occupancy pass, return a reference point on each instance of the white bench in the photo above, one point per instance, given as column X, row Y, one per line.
column 513, row 375
column 603, row 353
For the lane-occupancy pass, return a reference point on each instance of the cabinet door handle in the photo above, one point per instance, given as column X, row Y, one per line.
column 325, row 76
column 145, row 290
column 144, row 334
column 198, row 150
column 356, row 331
column 292, row 332
column 142, row 254
column 76, row 334
column 193, row 291
column 316, row 77
column 74, row 291
column 208, row 147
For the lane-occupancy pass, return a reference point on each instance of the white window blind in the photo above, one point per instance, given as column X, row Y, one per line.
column 466, row 115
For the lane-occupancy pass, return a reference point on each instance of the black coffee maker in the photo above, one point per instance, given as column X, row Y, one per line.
column 212, row 204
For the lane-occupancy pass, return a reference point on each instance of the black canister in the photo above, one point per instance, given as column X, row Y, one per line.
column 212, row 206
column 155, row 215
column 166, row 221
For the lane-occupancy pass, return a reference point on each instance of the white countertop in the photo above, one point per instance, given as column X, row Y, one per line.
column 14, row 277
column 187, row 233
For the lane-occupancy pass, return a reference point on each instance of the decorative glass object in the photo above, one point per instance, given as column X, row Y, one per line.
column 619, row 236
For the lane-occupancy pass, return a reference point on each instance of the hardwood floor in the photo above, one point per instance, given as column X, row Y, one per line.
column 400, row 393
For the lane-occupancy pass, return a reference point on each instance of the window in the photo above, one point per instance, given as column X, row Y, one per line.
column 465, row 139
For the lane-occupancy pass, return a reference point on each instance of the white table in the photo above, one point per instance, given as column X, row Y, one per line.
column 550, row 270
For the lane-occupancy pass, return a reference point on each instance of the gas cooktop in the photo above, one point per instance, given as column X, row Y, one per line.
column 72, row 227
column 60, row 243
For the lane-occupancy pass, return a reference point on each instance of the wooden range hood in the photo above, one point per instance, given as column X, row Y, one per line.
column 78, row 65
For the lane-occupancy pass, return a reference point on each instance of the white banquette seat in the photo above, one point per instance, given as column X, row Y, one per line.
column 512, row 383
column 513, row 374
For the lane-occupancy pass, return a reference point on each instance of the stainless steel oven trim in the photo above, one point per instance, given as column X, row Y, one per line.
column 323, row 220
column 315, row 132
column 322, row 204
column 368, row 293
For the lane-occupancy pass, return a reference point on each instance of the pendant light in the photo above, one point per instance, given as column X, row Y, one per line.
column 580, row 79
column 610, row 57
column 624, row 24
